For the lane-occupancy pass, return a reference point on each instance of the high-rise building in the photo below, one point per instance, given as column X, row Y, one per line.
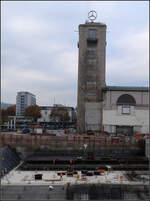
column 91, row 75
column 23, row 100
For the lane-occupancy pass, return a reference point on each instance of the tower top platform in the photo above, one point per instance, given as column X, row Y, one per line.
column 94, row 24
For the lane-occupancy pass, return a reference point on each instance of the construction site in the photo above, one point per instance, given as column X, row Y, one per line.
column 107, row 157
column 84, row 172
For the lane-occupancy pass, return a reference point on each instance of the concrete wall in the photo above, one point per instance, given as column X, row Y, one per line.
column 35, row 141
column 140, row 119
column 92, row 116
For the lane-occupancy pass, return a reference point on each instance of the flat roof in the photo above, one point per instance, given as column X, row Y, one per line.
column 25, row 92
column 126, row 88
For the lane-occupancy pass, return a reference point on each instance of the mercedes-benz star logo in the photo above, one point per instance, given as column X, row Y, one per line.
column 92, row 15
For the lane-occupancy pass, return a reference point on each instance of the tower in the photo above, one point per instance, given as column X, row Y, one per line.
column 91, row 75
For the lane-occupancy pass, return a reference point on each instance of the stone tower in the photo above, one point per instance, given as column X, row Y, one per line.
column 91, row 75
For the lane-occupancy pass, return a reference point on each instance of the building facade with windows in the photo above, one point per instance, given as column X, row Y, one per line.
column 126, row 110
column 23, row 100
column 47, row 110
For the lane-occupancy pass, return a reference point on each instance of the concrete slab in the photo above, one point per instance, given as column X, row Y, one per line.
column 17, row 177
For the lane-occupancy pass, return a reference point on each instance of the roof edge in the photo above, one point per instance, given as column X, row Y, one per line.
column 126, row 88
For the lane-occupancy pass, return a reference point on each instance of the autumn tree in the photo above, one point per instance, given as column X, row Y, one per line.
column 60, row 114
column 4, row 116
column 33, row 111
column 5, row 113
column 11, row 111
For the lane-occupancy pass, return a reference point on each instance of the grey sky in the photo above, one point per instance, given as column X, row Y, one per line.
column 40, row 54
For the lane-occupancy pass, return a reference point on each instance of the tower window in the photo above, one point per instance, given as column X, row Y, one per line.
column 91, row 71
column 91, row 83
column 91, row 93
column 91, row 61
column 91, row 68
column 92, row 34
column 91, row 49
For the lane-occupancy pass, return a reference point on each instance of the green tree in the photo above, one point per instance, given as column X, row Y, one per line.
column 59, row 114
column 33, row 111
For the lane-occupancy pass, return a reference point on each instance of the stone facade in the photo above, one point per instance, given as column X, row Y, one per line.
column 91, row 75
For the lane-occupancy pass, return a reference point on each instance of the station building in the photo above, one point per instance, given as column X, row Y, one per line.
column 113, row 109
column 126, row 110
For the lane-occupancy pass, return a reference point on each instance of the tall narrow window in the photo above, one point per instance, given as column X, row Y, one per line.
column 92, row 34
column 91, row 69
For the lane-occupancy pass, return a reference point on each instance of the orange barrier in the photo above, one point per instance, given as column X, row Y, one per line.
column 101, row 170
column 121, row 177
column 138, row 135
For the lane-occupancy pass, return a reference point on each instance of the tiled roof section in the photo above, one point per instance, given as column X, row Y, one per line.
column 125, row 88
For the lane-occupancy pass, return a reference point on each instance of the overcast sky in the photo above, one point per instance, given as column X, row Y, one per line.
column 40, row 54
